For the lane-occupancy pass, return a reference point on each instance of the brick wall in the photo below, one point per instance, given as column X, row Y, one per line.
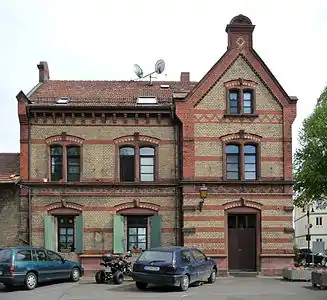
column 10, row 216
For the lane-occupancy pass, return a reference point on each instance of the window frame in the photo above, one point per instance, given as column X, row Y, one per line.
column 65, row 226
column 241, row 143
column 147, row 231
column 65, row 145
column 53, row 146
column 137, row 145
column 319, row 221
column 241, row 86
column 120, row 165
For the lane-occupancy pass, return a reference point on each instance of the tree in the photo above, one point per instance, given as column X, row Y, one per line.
column 310, row 159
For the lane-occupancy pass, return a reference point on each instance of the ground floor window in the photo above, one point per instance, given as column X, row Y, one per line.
column 66, row 233
column 137, row 232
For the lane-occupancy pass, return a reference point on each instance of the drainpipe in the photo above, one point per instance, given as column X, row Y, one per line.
column 175, row 177
column 28, row 184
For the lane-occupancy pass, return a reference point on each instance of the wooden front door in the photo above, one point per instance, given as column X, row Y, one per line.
column 242, row 246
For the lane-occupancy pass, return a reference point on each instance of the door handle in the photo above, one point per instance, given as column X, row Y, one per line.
column 239, row 250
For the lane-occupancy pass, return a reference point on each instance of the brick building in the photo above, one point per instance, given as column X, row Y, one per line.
column 113, row 165
column 13, row 217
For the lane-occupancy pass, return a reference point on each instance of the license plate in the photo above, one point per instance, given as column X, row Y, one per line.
column 108, row 269
column 151, row 268
column 1, row 273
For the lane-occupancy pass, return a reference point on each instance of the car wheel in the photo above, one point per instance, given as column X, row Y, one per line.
column 75, row 275
column 100, row 277
column 213, row 276
column 141, row 285
column 30, row 281
column 185, row 282
column 302, row 262
column 118, row 277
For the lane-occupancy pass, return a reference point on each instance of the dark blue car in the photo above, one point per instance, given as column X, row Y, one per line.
column 29, row 266
column 173, row 266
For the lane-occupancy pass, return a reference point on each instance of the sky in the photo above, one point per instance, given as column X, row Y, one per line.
column 101, row 40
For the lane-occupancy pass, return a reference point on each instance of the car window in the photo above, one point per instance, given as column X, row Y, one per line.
column 198, row 255
column 186, row 256
column 23, row 255
column 41, row 256
column 5, row 256
column 164, row 256
column 52, row 256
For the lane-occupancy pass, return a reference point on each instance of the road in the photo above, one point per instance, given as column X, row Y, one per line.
column 224, row 289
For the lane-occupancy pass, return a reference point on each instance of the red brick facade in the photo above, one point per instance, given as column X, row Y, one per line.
column 189, row 130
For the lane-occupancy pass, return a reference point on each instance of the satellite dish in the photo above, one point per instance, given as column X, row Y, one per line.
column 138, row 71
column 160, row 66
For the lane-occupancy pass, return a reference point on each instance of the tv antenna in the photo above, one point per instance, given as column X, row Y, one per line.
column 158, row 68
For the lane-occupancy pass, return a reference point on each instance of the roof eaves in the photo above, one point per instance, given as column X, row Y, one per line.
column 33, row 90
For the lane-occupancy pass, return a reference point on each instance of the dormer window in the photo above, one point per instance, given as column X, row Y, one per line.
column 240, row 100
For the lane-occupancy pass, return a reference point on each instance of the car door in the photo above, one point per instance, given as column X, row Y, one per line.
column 23, row 262
column 189, row 264
column 42, row 266
column 202, row 263
column 57, row 265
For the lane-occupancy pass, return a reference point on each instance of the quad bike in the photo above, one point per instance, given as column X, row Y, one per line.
column 115, row 267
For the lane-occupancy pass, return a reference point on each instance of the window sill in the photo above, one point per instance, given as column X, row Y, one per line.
column 241, row 115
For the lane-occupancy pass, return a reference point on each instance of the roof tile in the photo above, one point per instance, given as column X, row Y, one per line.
column 9, row 164
column 107, row 92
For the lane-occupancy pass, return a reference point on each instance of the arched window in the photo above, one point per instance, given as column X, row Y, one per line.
column 241, row 161
column 73, row 163
column 233, row 162
column 56, row 153
column 127, row 164
column 147, row 162
column 250, row 162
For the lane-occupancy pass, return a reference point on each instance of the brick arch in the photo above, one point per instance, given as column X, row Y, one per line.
column 64, row 139
column 241, row 135
column 64, row 207
column 137, row 207
column 242, row 203
column 136, row 138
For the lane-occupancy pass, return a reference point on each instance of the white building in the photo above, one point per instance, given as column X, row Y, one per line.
column 318, row 219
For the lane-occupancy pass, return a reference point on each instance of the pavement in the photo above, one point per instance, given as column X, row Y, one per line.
column 229, row 288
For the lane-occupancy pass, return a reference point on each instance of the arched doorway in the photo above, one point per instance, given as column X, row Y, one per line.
column 243, row 234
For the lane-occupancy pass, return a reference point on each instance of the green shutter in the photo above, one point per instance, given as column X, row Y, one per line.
column 155, row 231
column 49, row 237
column 79, row 234
column 119, row 244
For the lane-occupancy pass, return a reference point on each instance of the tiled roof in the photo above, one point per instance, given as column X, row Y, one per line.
column 110, row 93
column 9, row 165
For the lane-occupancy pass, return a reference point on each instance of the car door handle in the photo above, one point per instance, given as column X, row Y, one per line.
column 239, row 250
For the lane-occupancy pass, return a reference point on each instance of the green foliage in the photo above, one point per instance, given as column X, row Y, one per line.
column 310, row 160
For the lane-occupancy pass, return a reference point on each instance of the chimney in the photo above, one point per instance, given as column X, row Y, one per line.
column 185, row 77
column 43, row 71
column 239, row 32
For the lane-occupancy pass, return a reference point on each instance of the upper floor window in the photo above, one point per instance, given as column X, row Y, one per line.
column 73, row 163
column 241, row 162
column 319, row 221
column 147, row 164
column 56, row 163
column 127, row 164
column 61, row 156
column 137, row 164
column 240, row 98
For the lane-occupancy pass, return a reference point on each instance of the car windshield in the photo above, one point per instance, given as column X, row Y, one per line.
column 5, row 256
column 157, row 256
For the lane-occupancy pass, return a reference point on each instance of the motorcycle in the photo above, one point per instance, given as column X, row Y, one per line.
column 115, row 268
